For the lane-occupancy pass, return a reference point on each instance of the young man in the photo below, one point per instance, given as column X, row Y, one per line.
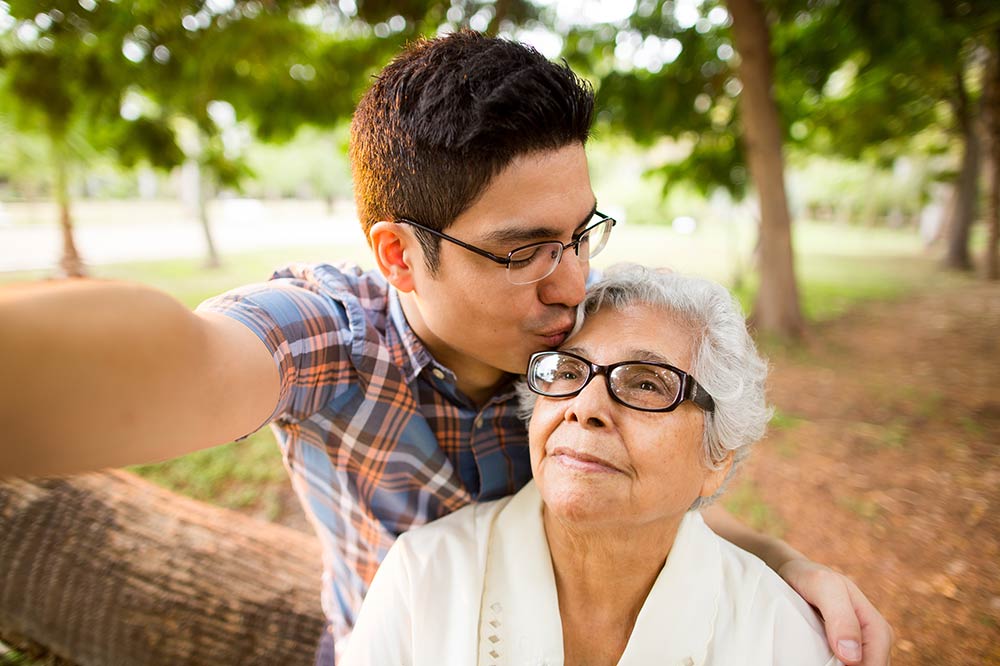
column 390, row 391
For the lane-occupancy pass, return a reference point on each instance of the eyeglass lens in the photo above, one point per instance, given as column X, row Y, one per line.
column 537, row 262
column 639, row 385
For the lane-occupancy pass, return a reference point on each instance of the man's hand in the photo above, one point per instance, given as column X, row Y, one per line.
column 856, row 631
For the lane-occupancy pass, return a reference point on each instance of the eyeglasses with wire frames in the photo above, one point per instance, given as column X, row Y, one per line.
column 643, row 385
column 536, row 261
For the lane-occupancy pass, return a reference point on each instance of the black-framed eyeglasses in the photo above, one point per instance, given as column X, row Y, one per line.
column 642, row 385
column 536, row 261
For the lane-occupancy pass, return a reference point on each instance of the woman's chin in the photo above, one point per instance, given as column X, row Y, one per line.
column 587, row 500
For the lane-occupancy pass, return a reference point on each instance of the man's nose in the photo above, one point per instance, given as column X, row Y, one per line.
column 568, row 283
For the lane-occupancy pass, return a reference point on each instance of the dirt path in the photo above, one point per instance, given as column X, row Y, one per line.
column 884, row 462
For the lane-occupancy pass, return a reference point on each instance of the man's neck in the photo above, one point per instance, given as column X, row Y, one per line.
column 475, row 379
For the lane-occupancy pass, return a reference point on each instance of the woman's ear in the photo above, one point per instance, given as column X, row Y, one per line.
column 394, row 253
column 716, row 477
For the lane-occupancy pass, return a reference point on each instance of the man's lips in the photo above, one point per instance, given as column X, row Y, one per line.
column 557, row 335
column 581, row 461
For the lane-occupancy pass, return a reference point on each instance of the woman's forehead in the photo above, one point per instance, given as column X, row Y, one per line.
column 636, row 332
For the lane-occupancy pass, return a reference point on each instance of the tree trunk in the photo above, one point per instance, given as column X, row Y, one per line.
column 501, row 9
column 776, row 309
column 966, row 189
column 991, row 107
column 110, row 569
column 70, row 264
column 212, row 260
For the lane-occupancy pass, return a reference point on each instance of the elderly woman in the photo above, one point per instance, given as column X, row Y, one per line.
column 640, row 418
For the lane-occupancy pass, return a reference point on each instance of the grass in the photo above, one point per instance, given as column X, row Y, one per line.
column 838, row 267
column 744, row 501
column 228, row 475
column 861, row 507
column 783, row 421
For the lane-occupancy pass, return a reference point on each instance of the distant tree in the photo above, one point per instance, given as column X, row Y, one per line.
column 991, row 104
column 63, row 81
column 907, row 66
column 708, row 81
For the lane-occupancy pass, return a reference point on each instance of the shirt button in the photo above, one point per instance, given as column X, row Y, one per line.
column 478, row 422
column 437, row 373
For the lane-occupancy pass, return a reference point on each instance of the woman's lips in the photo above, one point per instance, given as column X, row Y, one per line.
column 583, row 462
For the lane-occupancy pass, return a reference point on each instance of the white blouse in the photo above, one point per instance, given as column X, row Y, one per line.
column 477, row 587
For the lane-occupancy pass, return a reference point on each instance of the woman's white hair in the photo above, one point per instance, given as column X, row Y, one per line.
column 724, row 358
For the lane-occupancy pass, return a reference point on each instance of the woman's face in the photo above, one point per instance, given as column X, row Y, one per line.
column 596, row 461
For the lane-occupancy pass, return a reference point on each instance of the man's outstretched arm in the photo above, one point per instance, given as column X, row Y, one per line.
column 101, row 374
column 856, row 631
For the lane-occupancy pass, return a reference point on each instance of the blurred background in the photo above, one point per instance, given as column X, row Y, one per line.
column 835, row 162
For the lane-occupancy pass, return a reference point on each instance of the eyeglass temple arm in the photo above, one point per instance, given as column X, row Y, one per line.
column 471, row 248
column 700, row 396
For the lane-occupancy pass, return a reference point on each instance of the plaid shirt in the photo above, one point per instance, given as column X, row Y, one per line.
column 374, row 433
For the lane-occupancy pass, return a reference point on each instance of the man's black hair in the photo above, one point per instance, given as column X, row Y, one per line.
column 449, row 114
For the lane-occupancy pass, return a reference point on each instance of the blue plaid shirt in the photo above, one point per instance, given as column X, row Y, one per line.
column 374, row 432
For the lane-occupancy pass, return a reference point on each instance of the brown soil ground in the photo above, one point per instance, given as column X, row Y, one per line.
column 884, row 462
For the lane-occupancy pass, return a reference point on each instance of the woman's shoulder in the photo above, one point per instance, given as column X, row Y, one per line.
column 756, row 602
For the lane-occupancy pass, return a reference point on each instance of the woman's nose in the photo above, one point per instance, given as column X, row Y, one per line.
column 591, row 407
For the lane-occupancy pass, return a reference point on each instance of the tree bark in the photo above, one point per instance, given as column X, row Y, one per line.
column 991, row 106
column 967, row 187
column 776, row 310
column 70, row 264
column 110, row 569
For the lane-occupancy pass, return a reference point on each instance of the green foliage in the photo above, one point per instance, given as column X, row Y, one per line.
column 852, row 78
column 312, row 165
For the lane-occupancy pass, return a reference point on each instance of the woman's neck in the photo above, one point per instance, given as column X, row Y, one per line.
column 603, row 575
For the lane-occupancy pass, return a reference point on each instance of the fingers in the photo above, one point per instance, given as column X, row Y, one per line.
column 877, row 635
column 855, row 630
column 828, row 592
column 841, row 622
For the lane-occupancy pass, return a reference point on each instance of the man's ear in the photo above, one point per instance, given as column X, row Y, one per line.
column 716, row 477
column 395, row 252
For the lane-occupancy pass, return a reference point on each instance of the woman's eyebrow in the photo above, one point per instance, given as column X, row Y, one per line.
column 630, row 355
column 647, row 355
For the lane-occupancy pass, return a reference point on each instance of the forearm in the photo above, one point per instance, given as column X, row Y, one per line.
column 102, row 374
column 773, row 551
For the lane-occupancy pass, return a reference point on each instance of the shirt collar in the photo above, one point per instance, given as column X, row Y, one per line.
column 416, row 355
column 520, row 607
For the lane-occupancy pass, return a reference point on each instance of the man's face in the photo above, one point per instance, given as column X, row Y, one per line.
column 469, row 315
column 597, row 462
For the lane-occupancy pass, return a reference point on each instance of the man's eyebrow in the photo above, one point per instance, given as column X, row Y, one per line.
column 516, row 234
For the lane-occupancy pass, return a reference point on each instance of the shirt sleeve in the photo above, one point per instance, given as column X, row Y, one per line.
column 383, row 633
column 307, row 334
